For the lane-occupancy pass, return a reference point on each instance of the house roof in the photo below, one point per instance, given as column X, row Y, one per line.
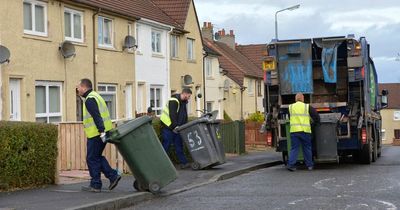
column 176, row 9
column 134, row 8
column 394, row 94
column 237, row 65
column 254, row 52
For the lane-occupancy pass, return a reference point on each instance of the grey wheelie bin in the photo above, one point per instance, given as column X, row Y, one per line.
column 139, row 145
column 326, row 138
column 198, row 140
column 215, row 132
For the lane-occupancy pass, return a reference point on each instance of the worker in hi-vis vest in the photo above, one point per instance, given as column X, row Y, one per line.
column 175, row 114
column 97, row 123
column 300, row 131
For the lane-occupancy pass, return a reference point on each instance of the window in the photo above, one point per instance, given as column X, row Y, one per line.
column 35, row 17
column 209, row 106
column 73, row 23
column 259, row 87
column 156, row 41
column 48, row 101
column 397, row 133
column 105, row 26
column 109, row 94
column 383, row 133
column 174, row 46
column 250, row 87
column 190, row 49
column 209, row 71
column 396, row 115
column 155, row 99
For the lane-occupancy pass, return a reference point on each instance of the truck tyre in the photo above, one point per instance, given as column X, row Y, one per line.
column 366, row 153
column 375, row 151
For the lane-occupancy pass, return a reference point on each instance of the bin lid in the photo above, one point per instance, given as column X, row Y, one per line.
column 330, row 117
column 193, row 122
column 128, row 127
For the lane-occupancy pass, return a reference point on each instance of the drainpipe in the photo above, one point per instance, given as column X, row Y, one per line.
column 204, row 80
column 94, row 48
column 241, row 102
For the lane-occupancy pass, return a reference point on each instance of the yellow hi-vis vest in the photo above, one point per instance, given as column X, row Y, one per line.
column 299, row 118
column 165, row 113
column 88, row 121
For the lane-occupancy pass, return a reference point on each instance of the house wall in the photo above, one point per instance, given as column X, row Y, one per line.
column 232, row 104
column 389, row 125
column 214, row 87
column 252, row 101
column 35, row 58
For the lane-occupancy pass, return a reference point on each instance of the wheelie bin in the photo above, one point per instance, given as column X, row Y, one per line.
column 215, row 132
column 326, row 138
column 139, row 145
column 198, row 140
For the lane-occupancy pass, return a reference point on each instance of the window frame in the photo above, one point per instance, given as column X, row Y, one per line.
column 73, row 12
column 112, row 93
column 47, row 114
column 190, row 54
column 209, row 69
column 159, row 43
column 33, row 18
column 211, row 103
column 259, row 88
column 175, row 46
column 111, row 45
column 250, row 87
column 155, row 108
column 396, row 115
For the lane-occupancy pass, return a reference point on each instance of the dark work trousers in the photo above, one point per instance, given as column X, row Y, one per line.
column 303, row 139
column 97, row 163
column 169, row 137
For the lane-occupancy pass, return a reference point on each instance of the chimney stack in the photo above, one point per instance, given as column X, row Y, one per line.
column 228, row 39
column 207, row 30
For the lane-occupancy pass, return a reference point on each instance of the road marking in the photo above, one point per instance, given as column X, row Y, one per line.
column 299, row 200
column 320, row 183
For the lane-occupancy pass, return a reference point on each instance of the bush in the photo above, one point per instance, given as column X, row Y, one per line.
column 255, row 117
column 28, row 154
column 227, row 118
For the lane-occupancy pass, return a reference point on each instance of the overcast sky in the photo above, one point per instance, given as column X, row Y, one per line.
column 253, row 23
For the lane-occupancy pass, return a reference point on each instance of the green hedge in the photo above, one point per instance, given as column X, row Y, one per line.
column 28, row 154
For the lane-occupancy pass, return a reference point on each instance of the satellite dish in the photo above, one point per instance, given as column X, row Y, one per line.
column 67, row 49
column 226, row 85
column 4, row 54
column 130, row 42
column 187, row 80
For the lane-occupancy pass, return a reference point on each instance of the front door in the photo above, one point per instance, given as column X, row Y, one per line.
column 15, row 99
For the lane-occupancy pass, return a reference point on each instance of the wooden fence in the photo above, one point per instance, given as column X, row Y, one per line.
column 253, row 135
column 72, row 149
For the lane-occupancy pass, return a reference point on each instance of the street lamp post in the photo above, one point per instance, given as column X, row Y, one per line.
column 276, row 17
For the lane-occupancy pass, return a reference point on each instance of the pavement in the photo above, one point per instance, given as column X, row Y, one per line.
column 70, row 196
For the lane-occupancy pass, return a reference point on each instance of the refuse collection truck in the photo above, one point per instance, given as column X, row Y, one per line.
column 338, row 78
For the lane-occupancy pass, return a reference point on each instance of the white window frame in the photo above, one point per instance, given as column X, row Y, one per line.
column 101, row 44
column 155, row 108
column 190, row 49
column 383, row 133
column 250, row 87
column 174, row 46
column 156, row 42
column 33, row 20
column 137, row 31
column 47, row 114
column 107, row 91
column 209, row 70
column 259, row 88
column 73, row 12
column 209, row 103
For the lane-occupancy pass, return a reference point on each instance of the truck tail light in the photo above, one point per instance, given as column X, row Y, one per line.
column 269, row 138
column 363, row 136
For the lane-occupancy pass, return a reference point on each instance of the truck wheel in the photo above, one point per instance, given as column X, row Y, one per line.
column 284, row 157
column 366, row 153
column 375, row 151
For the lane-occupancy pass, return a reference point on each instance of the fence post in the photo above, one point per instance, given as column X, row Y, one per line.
column 240, row 137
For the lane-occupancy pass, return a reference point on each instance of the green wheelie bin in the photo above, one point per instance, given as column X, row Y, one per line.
column 139, row 145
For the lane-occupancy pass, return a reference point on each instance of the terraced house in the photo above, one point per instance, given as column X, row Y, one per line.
column 53, row 44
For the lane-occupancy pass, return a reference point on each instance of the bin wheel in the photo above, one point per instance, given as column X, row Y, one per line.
column 154, row 187
column 195, row 166
column 137, row 186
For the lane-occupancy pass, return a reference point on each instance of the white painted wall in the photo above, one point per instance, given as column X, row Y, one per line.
column 214, row 84
column 152, row 68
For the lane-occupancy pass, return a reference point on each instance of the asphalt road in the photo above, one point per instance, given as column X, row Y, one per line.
column 330, row 186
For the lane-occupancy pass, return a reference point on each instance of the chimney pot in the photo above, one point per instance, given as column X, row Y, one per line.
column 209, row 25
column 204, row 24
column 223, row 32
column 231, row 32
